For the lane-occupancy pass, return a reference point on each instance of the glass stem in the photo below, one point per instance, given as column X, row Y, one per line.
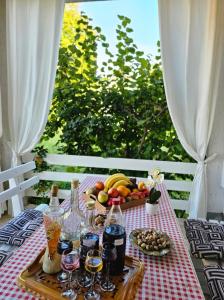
column 70, row 280
column 107, row 273
column 92, row 285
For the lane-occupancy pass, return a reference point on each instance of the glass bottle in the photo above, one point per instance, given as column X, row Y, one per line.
column 115, row 215
column 75, row 198
column 89, row 237
column 114, row 233
column 89, row 240
column 74, row 217
column 53, row 220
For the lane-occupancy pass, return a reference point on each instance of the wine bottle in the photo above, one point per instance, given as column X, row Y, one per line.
column 115, row 233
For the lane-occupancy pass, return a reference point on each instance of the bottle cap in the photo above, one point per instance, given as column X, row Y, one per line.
column 116, row 201
column 75, row 183
column 54, row 190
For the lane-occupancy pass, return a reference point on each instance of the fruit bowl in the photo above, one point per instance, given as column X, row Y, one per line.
column 130, row 192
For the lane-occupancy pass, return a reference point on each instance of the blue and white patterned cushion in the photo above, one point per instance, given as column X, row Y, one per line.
column 215, row 278
column 20, row 228
column 192, row 224
column 23, row 218
column 4, row 256
column 206, row 239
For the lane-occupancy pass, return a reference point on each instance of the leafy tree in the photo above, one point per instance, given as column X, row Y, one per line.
column 118, row 111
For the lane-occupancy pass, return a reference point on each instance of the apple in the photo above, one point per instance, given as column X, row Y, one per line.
column 102, row 197
column 109, row 203
column 122, row 200
column 146, row 192
column 113, row 193
column 99, row 185
column 141, row 185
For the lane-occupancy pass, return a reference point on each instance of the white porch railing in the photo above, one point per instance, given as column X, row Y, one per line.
column 117, row 163
column 16, row 186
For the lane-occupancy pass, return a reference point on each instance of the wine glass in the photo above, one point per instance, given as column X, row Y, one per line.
column 93, row 264
column 89, row 241
column 109, row 253
column 62, row 246
column 84, row 278
column 69, row 263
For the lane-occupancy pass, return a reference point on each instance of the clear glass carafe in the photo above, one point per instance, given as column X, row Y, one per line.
column 74, row 217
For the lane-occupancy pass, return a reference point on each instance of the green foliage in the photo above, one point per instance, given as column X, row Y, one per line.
column 154, row 196
column 118, row 111
column 41, row 165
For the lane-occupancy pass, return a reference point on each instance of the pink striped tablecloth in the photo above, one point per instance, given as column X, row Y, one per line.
column 169, row 277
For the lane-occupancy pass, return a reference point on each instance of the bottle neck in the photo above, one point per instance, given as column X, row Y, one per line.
column 116, row 208
column 54, row 202
column 75, row 201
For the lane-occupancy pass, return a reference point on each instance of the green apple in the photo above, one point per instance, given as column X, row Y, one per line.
column 102, row 197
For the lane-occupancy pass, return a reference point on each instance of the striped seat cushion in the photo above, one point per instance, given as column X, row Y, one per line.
column 215, row 279
column 206, row 239
column 4, row 256
column 20, row 228
column 193, row 224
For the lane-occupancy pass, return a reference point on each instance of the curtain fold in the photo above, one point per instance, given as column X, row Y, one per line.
column 192, row 53
column 0, row 115
column 32, row 40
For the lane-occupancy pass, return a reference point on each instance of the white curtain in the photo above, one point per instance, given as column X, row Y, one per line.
column 192, row 53
column 32, row 40
column 3, row 206
column 0, row 115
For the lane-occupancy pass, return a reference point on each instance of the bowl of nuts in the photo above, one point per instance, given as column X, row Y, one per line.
column 151, row 241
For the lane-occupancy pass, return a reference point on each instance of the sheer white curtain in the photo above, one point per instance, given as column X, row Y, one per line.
column 3, row 206
column 192, row 53
column 32, row 41
column 0, row 116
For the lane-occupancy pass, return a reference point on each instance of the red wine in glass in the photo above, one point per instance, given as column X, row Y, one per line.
column 69, row 263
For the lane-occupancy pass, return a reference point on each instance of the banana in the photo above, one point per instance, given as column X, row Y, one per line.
column 111, row 180
column 121, row 182
column 112, row 176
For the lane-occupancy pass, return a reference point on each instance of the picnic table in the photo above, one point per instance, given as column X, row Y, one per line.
column 169, row 277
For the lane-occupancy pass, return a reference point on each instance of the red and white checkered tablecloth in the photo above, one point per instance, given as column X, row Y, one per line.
column 169, row 277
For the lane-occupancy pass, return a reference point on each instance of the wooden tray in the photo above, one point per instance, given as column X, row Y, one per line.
column 103, row 210
column 46, row 287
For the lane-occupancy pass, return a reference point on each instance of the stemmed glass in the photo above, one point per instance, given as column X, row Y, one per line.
column 84, row 278
column 62, row 246
column 69, row 263
column 109, row 253
column 93, row 264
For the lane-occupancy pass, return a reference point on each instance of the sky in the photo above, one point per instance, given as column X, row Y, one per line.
column 144, row 16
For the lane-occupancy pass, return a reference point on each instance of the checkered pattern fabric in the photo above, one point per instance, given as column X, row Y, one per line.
column 206, row 239
column 169, row 277
column 215, row 279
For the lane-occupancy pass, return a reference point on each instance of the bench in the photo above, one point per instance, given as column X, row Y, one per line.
column 17, row 186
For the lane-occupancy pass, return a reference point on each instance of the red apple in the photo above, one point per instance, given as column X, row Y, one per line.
column 122, row 200
column 109, row 203
column 113, row 192
column 146, row 192
column 99, row 185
